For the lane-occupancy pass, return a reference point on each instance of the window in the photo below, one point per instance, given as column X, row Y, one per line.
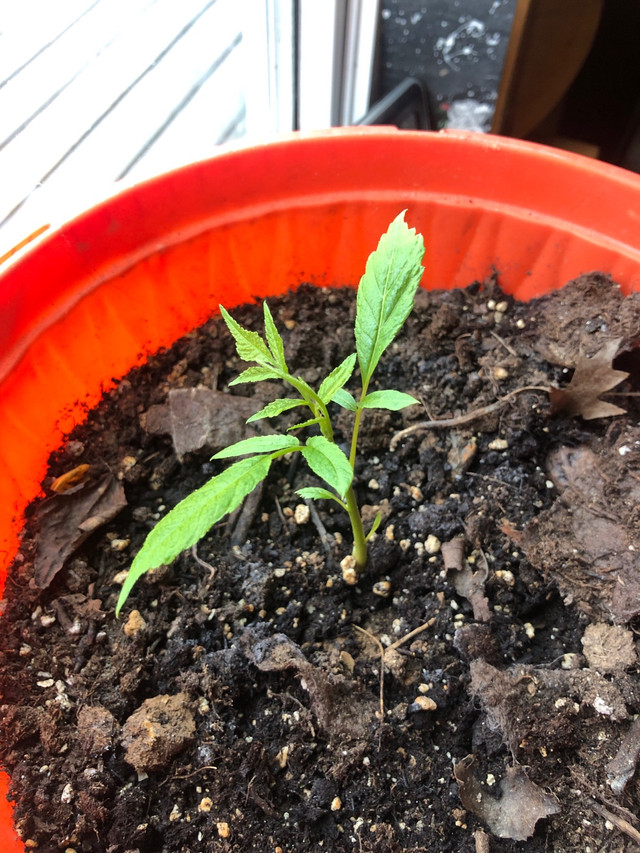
column 97, row 91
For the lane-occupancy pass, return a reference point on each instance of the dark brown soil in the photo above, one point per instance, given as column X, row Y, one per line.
column 235, row 706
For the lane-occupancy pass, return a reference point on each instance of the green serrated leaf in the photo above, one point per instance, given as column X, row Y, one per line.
column 386, row 292
column 277, row 407
column 258, row 444
column 328, row 462
column 188, row 522
column 304, row 389
column 315, row 493
column 336, row 379
column 275, row 342
column 391, row 400
column 249, row 345
column 345, row 399
column 256, row 374
column 304, row 424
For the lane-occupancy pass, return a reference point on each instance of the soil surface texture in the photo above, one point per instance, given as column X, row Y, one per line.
column 476, row 690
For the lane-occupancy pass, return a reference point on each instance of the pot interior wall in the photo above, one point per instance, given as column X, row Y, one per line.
column 133, row 274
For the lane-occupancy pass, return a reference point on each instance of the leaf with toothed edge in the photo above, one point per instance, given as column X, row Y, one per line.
column 393, row 401
column 336, row 379
column 274, row 340
column 194, row 516
column 345, row 400
column 328, row 462
column 258, row 444
column 315, row 493
column 249, row 345
column 277, row 407
column 386, row 292
column 256, row 374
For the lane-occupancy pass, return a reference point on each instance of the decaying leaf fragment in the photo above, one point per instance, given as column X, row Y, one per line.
column 467, row 583
column 623, row 765
column 341, row 708
column 520, row 806
column 591, row 378
column 588, row 541
column 67, row 519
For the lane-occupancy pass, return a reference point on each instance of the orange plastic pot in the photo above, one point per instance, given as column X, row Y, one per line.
column 94, row 297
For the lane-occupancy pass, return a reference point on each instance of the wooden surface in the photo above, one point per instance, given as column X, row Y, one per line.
column 93, row 91
column 549, row 42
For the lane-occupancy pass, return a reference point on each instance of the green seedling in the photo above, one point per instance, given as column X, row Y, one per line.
column 384, row 300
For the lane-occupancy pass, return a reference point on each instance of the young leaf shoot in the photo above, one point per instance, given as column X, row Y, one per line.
column 384, row 300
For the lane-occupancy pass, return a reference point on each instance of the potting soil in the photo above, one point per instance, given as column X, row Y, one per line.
column 475, row 690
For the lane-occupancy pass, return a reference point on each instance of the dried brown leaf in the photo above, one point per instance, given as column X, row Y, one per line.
column 591, row 378
column 623, row 765
column 521, row 805
column 591, row 525
column 67, row 519
column 342, row 709
column 467, row 583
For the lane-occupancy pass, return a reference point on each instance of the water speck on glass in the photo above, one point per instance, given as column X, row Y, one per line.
column 459, row 44
column 417, row 16
column 401, row 21
column 493, row 39
column 386, row 14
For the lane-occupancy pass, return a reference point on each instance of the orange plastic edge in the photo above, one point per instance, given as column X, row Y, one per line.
column 140, row 269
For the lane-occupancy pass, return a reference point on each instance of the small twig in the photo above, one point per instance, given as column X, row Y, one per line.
column 247, row 513
column 622, row 824
column 412, row 634
column 86, row 641
column 282, row 519
column 465, row 418
column 188, row 775
column 203, row 563
column 593, row 791
column 492, row 480
column 393, row 646
column 306, row 716
column 61, row 614
column 507, row 346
